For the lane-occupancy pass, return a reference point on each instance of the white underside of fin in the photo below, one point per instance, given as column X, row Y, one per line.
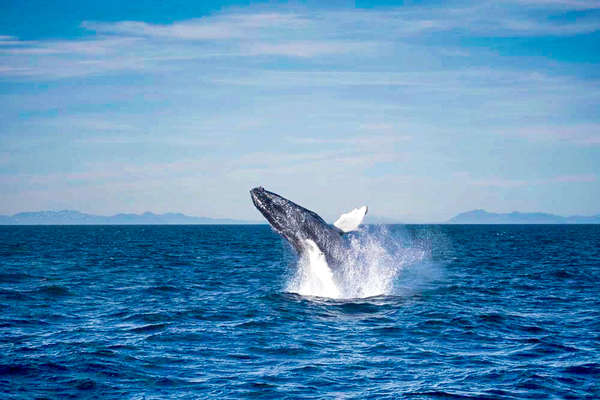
column 351, row 220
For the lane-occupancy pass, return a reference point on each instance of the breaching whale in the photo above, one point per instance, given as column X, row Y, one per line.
column 305, row 229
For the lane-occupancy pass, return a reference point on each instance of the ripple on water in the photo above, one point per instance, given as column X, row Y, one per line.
column 52, row 291
column 148, row 328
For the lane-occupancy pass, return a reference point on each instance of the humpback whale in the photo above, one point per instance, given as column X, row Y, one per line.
column 304, row 229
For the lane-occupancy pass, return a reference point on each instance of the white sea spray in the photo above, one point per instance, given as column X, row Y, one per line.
column 374, row 259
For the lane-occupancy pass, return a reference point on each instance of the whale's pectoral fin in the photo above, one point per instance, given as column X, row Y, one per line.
column 351, row 220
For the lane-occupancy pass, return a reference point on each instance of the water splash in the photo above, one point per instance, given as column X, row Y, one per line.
column 315, row 277
column 374, row 260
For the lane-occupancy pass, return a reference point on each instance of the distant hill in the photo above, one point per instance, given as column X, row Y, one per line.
column 69, row 217
column 515, row 217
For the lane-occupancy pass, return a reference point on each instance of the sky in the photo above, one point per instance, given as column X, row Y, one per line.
column 420, row 110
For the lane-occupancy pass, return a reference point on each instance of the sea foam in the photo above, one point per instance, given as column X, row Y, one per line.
column 371, row 266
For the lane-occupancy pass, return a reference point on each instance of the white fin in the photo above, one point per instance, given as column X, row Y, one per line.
column 351, row 220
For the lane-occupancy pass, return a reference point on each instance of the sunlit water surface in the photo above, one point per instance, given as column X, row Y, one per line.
column 424, row 312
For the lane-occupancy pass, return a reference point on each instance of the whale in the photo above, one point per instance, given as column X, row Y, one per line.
column 304, row 229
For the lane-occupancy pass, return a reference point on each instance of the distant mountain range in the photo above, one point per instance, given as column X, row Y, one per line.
column 68, row 217
column 515, row 217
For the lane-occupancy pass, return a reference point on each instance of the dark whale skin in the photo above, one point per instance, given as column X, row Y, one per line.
column 297, row 224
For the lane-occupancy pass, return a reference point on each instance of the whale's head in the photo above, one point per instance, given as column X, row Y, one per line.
column 281, row 213
column 287, row 218
column 295, row 223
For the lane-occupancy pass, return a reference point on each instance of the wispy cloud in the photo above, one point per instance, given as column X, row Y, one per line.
column 561, row 4
column 356, row 141
column 577, row 178
column 308, row 48
column 299, row 33
column 581, row 134
column 220, row 26
column 499, row 182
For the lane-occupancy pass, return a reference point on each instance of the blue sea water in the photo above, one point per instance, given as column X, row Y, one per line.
column 146, row 312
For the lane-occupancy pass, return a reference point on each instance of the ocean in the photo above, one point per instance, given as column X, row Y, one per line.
column 197, row 312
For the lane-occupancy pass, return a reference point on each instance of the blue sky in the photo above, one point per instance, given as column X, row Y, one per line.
column 418, row 109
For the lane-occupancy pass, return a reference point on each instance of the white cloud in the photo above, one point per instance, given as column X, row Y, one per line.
column 221, row 26
column 305, row 48
column 299, row 33
column 101, row 46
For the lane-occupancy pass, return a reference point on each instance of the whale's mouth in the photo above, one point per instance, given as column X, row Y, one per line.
column 263, row 203
column 276, row 211
column 257, row 190
column 255, row 195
